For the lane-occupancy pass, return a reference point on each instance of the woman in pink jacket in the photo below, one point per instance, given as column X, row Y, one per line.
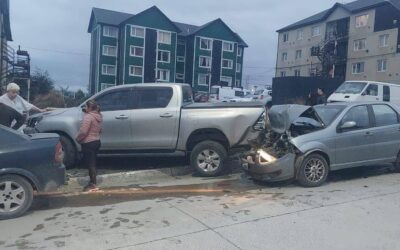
column 89, row 138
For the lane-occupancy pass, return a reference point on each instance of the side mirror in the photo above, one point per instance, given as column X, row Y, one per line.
column 348, row 125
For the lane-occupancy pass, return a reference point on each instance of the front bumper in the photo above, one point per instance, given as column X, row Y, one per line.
column 278, row 170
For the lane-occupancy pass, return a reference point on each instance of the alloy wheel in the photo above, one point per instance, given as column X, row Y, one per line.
column 12, row 196
column 314, row 170
column 208, row 160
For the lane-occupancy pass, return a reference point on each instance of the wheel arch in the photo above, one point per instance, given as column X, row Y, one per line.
column 207, row 134
column 23, row 174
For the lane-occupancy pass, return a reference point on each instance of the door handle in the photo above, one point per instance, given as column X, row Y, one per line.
column 121, row 117
column 166, row 115
column 369, row 133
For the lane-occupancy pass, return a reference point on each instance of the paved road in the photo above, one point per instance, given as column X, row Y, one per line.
column 356, row 209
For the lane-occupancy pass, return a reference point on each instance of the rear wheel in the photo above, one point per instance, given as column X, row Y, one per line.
column 16, row 195
column 69, row 152
column 396, row 164
column 313, row 171
column 208, row 158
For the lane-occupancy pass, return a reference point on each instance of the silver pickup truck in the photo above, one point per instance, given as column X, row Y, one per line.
column 159, row 120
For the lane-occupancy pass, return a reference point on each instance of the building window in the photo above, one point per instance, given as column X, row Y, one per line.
column 298, row 54
column 110, row 31
column 205, row 43
column 163, row 75
column 300, row 35
column 284, row 57
column 227, row 46
column 180, row 59
column 237, row 83
column 108, row 70
column 226, row 79
column 106, row 85
column 227, row 64
column 383, row 41
column 283, row 73
column 109, row 50
column 382, row 65
column 297, row 72
column 360, row 44
column 135, row 70
column 285, row 37
column 136, row 51
column 163, row 56
column 137, row 32
column 238, row 67
column 205, row 62
column 164, row 37
column 203, row 79
column 180, row 76
column 358, row 68
column 240, row 52
column 315, row 31
column 361, row 21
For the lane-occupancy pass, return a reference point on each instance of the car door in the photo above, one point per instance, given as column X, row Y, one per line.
column 372, row 93
column 355, row 146
column 116, row 108
column 155, row 119
column 386, row 132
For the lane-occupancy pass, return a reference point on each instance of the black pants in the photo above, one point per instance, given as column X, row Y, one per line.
column 89, row 151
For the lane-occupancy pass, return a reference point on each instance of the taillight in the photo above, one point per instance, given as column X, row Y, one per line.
column 59, row 154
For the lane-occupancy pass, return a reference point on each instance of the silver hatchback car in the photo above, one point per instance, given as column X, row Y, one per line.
column 306, row 143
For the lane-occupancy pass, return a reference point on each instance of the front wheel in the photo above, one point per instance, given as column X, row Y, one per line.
column 70, row 155
column 208, row 158
column 16, row 195
column 313, row 171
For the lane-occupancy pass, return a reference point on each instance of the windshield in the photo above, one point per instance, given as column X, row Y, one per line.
column 258, row 92
column 239, row 93
column 351, row 87
column 214, row 91
column 249, row 96
column 328, row 113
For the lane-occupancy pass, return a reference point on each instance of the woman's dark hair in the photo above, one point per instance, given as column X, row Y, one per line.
column 92, row 104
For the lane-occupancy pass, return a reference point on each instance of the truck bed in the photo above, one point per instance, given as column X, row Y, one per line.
column 208, row 105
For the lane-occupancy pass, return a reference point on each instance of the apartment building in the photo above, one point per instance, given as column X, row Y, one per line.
column 149, row 47
column 5, row 36
column 354, row 41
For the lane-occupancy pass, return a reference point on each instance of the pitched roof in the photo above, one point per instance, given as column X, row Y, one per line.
column 352, row 7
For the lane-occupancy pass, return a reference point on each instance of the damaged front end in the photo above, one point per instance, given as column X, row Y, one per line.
column 273, row 156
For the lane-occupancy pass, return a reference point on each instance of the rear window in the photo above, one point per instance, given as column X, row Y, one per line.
column 384, row 115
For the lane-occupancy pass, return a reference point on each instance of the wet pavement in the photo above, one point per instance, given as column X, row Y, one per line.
column 356, row 209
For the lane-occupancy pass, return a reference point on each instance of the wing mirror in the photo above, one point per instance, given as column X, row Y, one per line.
column 347, row 125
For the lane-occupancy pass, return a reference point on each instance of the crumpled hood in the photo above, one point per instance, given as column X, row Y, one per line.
column 58, row 111
column 281, row 117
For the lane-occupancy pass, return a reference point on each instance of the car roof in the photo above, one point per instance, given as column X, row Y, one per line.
column 351, row 104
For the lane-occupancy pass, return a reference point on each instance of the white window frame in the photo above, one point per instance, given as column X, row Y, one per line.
column 381, row 63
column 313, row 29
column 300, row 34
column 354, row 66
column 208, row 59
column 230, row 64
column 106, row 49
column 238, row 67
column 358, row 42
column 229, row 78
column 240, row 51
column 160, row 37
column 204, row 75
column 107, row 31
column 360, row 24
column 299, row 55
column 385, row 39
column 132, row 47
column 208, row 42
column 284, row 56
column 180, row 76
column 106, row 85
column 164, row 51
column 167, row 75
column 132, row 72
column 285, row 37
column 104, row 69
column 134, row 31
column 231, row 46
column 180, row 59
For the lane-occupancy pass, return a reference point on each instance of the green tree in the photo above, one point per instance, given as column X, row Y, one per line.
column 41, row 83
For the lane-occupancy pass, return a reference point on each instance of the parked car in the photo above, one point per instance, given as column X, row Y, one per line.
column 27, row 163
column 263, row 95
column 159, row 120
column 306, row 143
column 356, row 91
column 225, row 94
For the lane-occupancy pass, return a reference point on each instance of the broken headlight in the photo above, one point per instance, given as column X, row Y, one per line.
column 264, row 157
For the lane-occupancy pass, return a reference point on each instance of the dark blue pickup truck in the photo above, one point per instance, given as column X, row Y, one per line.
column 27, row 164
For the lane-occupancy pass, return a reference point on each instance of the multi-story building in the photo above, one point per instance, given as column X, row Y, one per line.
column 354, row 41
column 149, row 47
column 5, row 35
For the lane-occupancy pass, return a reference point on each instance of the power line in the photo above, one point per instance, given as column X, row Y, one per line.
column 59, row 51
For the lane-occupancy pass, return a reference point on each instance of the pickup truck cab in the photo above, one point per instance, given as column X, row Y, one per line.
column 159, row 119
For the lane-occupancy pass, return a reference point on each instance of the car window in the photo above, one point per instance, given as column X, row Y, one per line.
column 239, row 93
column 116, row 100
column 386, row 93
column 158, row 97
column 187, row 95
column 372, row 90
column 359, row 115
column 384, row 115
column 351, row 88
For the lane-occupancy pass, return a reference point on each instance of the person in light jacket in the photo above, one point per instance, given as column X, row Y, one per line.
column 89, row 138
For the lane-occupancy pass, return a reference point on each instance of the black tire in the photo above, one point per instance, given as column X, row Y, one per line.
column 313, row 171
column 70, row 155
column 396, row 164
column 213, row 163
column 8, row 199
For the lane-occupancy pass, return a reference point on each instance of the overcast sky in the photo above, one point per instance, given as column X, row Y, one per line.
column 55, row 31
